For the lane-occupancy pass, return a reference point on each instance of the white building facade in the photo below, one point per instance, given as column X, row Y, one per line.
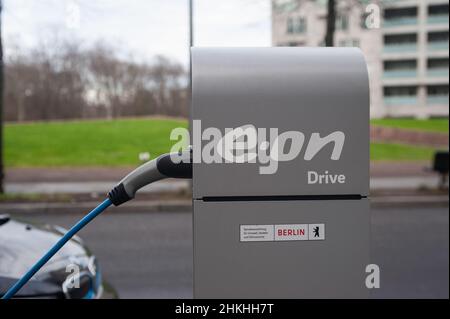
column 406, row 52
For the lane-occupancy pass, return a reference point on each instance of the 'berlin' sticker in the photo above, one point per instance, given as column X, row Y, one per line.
column 282, row 232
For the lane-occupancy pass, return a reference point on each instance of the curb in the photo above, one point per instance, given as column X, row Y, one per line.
column 85, row 207
column 409, row 201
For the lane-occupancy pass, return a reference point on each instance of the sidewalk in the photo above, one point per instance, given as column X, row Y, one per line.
column 376, row 184
column 384, row 176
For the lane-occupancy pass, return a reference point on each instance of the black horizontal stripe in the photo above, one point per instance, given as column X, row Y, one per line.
column 280, row 198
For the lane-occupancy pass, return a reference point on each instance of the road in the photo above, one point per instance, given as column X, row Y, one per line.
column 149, row 255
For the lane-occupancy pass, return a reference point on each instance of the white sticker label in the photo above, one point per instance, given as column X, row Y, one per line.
column 282, row 232
column 291, row 232
column 316, row 231
column 256, row 232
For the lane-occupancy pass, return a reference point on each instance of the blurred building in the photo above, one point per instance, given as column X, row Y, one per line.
column 407, row 53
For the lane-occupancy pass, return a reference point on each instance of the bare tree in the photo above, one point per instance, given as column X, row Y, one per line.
column 166, row 75
column 63, row 81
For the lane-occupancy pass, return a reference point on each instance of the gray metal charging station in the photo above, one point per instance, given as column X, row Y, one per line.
column 276, row 235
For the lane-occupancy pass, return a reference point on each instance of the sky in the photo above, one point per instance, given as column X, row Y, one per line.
column 144, row 28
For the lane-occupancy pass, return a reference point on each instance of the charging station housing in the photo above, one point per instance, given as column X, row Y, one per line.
column 302, row 231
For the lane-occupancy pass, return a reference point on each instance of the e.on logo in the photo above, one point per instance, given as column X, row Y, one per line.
column 248, row 144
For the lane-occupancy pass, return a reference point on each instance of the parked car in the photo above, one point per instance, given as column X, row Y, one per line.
column 73, row 273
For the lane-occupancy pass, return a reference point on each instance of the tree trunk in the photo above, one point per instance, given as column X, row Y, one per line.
column 331, row 23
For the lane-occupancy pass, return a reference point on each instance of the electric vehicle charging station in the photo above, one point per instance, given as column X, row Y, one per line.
column 287, row 214
column 298, row 227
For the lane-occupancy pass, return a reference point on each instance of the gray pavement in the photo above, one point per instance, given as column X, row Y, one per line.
column 149, row 255
column 411, row 246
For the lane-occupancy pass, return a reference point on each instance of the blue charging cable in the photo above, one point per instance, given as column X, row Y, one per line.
column 162, row 167
column 75, row 229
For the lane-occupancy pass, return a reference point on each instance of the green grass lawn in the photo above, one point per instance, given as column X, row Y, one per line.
column 87, row 143
column 399, row 152
column 119, row 142
column 431, row 125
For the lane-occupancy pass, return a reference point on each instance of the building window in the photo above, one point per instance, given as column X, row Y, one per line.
column 296, row 25
column 440, row 36
column 349, row 43
column 400, row 42
column 284, row 6
column 290, row 25
column 438, row 13
column 396, row 39
column 400, row 16
column 437, row 94
column 400, row 69
column 295, row 44
column 301, row 25
column 342, row 22
column 438, row 40
column 437, row 67
column 400, row 95
column 400, row 91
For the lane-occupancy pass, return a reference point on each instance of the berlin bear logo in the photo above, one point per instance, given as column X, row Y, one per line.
column 316, row 231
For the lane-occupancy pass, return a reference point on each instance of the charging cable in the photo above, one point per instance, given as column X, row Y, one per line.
column 176, row 165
